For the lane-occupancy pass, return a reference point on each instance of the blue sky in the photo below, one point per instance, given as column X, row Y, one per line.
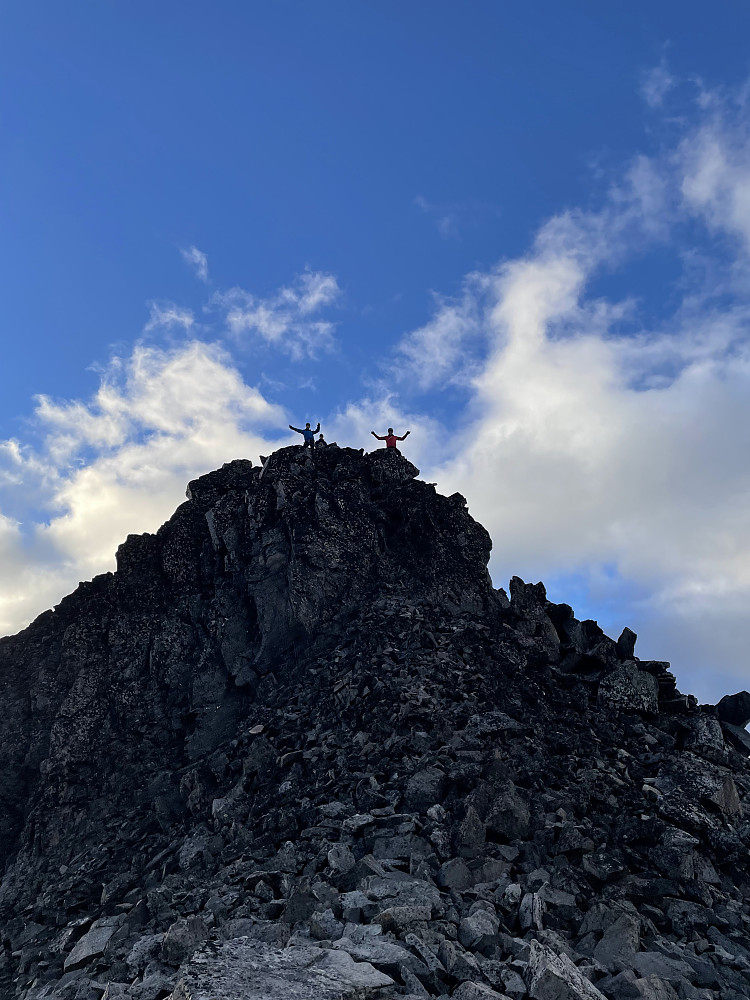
column 521, row 230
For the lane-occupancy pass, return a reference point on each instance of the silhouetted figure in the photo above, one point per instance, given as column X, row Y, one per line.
column 321, row 442
column 390, row 438
column 307, row 434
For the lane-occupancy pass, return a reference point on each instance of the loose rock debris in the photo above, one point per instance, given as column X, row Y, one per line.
column 297, row 746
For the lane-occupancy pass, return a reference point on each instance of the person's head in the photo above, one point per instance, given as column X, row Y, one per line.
column 307, row 425
column 320, row 438
column 390, row 430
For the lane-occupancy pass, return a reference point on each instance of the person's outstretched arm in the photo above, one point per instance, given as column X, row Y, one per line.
column 317, row 428
column 377, row 436
column 297, row 429
column 403, row 436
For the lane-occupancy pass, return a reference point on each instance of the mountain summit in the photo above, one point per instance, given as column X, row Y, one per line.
column 298, row 746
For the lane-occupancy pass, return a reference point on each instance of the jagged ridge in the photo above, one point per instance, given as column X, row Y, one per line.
column 306, row 668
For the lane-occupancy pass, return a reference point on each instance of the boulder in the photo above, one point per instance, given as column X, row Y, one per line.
column 629, row 689
column 92, row 943
column 424, row 789
column 550, row 976
column 508, row 816
column 735, row 709
column 250, row 970
column 476, row 991
column 619, row 944
column 183, row 937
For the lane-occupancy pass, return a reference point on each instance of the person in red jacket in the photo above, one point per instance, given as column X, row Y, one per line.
column 390, row 438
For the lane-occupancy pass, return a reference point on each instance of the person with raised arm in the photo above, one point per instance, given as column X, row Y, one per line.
column 390, row 438
column 308, row 434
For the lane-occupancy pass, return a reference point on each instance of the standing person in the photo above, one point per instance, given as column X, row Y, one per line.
column 307, row 434
column 390, row 438
column 321, row 442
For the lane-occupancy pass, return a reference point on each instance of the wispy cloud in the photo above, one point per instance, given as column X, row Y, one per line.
column 197, row 260
column 167, row 316
column 285, row 319
column 656, row 83
column 442, row 351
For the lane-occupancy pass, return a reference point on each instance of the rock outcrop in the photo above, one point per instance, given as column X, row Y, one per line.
column 298, row 746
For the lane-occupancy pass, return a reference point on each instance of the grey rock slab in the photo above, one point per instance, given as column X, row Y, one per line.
column 183, row 937
column 490, row 724
column 653, row 988
column 405, row 891
column 455, row 874
column 477, row 925
column 424, row 789
column 462, row 965
column 513, row 985
column 193, row 848
column 341, row 859
column 602, row 915
column 653, row 963
column 404, row 845
column 428, row 957
column 412, row 984
column 508, row 816
column 380, row 952
column 145, row 950
column 531, row 912
column 358, row 822
column 237, row 927
column 619, row 944
column 629, row 689
column 476, row 991
column 398, row 918
column 91, row 944
column 250, row 970
column 325, row 927
column 550, row 976
column 153, row 986
column 689, row 780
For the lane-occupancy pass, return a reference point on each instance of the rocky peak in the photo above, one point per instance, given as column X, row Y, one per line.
column 298, row 735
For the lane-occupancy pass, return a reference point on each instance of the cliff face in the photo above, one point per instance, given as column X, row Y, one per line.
column 140, row 672
column 303, row 693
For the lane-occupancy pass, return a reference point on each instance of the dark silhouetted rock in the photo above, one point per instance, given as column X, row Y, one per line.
column 735, row 708
column 297, row 746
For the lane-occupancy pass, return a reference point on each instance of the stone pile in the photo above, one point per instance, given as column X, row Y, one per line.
column 297, row 747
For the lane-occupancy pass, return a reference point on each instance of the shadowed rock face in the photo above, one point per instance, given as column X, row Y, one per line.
column 161, row 660
column 299, row 715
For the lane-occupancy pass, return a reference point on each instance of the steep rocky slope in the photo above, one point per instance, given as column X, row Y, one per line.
column 298, row 746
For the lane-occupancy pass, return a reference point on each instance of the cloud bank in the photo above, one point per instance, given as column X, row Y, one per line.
column 600, row 443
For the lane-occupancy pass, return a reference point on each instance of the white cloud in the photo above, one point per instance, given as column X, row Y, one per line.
column 715, row 162
column 285, row 320
column 436, row 353
column 118, row 464
column 586, row 450
column 656, row 84
column 166, row 316
column 197, row 260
